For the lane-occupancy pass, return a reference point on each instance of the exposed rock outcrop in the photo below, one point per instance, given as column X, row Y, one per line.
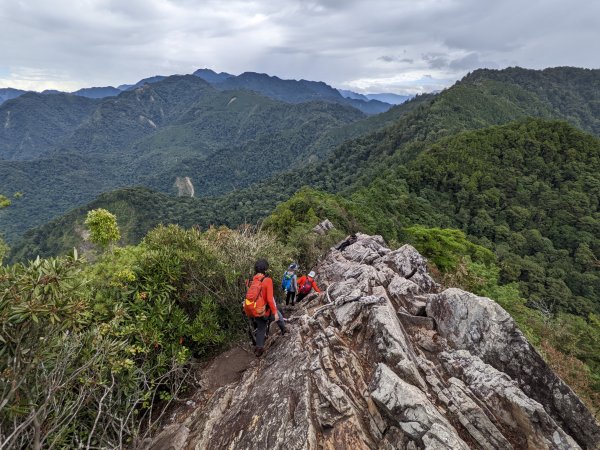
column 184, row 186
column 383, row 360
column 323, row 227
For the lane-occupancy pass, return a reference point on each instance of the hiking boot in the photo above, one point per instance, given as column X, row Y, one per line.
column 258, row 351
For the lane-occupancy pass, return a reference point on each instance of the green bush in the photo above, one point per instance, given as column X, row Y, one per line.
column 103, row 227
column 446, row 247
column 293, row 221
column 80, row 339
column 4, row 201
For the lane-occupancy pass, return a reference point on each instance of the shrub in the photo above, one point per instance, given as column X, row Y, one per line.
column 92, row 354
column 103, row 227
column 446, row 247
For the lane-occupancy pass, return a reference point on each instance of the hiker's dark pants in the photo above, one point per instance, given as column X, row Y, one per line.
column 281, row 322
column 260, row 325
column 290, row 296
column 301, row 296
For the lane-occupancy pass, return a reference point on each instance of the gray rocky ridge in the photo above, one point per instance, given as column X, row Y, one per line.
column 383, row 360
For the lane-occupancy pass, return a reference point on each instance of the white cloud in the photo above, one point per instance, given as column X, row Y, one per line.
column 381, row 44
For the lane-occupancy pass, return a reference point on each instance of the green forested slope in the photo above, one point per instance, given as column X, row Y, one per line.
column 482, row 99
column 530, row 191
column 177, row 127
column 572, row 91
column 33, row 123
column 226, row 145
column 119, row 121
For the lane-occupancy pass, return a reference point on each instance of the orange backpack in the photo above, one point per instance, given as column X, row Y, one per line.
column 254, row 305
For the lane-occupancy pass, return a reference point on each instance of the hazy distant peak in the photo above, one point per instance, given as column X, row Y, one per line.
column 154, row 79
column 52, row 92
column 9, row 94
column 211, row 76
column 98, row 92
column 387, row 97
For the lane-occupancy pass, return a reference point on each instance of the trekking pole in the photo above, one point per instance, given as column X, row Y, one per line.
column 250, row 328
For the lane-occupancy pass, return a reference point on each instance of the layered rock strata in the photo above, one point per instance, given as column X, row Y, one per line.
column 383, row 360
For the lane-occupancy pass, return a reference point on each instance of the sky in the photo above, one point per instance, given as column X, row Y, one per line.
column 399, row 46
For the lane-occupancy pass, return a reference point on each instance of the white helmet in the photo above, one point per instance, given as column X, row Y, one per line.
column 311, row 274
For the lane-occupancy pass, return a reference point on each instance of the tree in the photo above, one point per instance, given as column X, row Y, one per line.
column 3, row 250
column 4, row 202
column 103, row 227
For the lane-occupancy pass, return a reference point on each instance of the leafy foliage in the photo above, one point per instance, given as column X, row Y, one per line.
column 103, row 227
column 4, row 202
column 446, row 247
column 293, row 221
column 92, row 354
column 3, row 250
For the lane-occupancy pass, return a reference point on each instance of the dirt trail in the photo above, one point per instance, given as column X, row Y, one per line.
column 226, row 368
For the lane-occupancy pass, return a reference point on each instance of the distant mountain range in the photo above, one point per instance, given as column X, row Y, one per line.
column 392, row 99
column 98, row 92
column 9, row 94
column 290, row 91
column 62, row 150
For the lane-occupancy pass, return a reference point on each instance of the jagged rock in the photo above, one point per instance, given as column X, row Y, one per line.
column 426, row 323
column 507, row 402
column 360, row 369
column 464, row 404
column 482, row 327
column 412, row 411
column 408, row 263
column 323, row 227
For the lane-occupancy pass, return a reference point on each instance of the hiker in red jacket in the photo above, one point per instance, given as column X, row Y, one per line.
column 306, row 284
column 264, row 308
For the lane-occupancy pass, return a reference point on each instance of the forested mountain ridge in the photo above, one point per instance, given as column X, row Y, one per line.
column 475, row 102
column 291, row 91
column 33, row 124
column 237, row 206
column 119, row 121
column 574, row 92
column 98, row 92
column 180, row 126
column 9, row 94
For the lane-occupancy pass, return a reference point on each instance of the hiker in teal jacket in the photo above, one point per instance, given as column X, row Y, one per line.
column 289, row 284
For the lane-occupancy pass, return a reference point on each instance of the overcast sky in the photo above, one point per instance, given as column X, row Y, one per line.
column 402, row 46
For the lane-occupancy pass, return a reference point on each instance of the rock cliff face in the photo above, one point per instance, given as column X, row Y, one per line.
column 383, row 360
